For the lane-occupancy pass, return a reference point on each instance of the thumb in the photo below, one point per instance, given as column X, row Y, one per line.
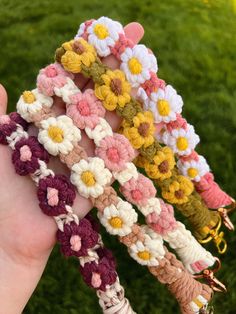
column 3, row 100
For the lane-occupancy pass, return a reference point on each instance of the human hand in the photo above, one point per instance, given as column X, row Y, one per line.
column 27, row 235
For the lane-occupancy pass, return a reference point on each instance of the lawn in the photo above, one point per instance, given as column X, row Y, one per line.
column 195, row 45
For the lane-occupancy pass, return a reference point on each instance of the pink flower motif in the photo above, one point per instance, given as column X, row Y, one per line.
column 179, row 123
column 50, row 77
column 85, row 109
column 153, row 84
column 116, row 151
column 163, row 223
column 138, row 191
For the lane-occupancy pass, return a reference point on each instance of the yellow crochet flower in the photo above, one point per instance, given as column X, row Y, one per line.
column 178, row 191
column 115, row 90
column 78, row 52
column 163, row 163
column 140, row 161
column 141, row 134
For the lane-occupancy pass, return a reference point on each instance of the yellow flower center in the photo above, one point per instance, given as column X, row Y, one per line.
column 56, row 134
column 192, row 172
column 163, row 107
column 116, row 222
column 101, row 31
column 182, row 143
column 28, row 97
column 135, row 66
column 88, row 178
column 145, row 255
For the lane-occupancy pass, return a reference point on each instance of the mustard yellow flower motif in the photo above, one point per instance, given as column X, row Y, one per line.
column 141, row 133
column 115, row 90
column 140, row 161
column 78, row 52
column 163, row 163
column 178, row 191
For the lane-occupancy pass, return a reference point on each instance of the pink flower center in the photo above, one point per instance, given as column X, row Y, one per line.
column 25, row 153
column 113, row 154
column 83, row 108
column 75, row 242
column 96, row 280
column 5, row 119
column 52, row 196
column 137, row 195
column 50, row 71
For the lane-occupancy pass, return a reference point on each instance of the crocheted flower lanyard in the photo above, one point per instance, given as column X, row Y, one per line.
column 140, row 68
column 56, row 195
column 79, row 238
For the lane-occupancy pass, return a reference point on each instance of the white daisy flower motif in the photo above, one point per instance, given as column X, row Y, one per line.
column 181, row 141
column 194, row 169
column 81, row 30
column 103, row 34
column 90, row 177
column 126, row 174
column 137, row 63
column 119, row 219
column 149, row 251
column 164, row 104
column 32, row 102
column 67, row 90
column 58, row 135
column 101, row 130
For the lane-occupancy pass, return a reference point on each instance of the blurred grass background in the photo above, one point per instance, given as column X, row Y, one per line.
column 195, row 43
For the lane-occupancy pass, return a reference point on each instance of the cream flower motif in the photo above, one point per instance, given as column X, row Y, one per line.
column 58, row 135
column 153, row 206
column 165, row 104
column 119, row 219
column 182, row 141
column 137, row 63
column 90, row 177
column 69, row 89
column 101, row 130
column 31, row 102
column 103, row 34
column 127, row 174
column 194, row 169
column 150, row 250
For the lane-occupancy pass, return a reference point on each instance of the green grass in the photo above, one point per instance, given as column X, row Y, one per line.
column 195, row 43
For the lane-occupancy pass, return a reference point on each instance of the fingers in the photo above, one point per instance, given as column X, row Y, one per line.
column 134, row 31
column 3, row 100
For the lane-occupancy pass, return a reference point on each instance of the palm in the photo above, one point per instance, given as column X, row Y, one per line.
column 26, row 233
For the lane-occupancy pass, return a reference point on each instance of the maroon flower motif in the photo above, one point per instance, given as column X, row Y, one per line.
column 14, row 116
column 27, row 154
column 54, row 193
column 101, row 273
column 76, row 239
column 7, row 126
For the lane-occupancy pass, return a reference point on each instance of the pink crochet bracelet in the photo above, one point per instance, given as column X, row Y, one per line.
column 79, row 238
column 140, row 68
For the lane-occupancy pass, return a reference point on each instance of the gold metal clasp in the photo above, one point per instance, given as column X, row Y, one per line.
column 207, row 309
column 209, row 276
column 217, row 237
column 224, row 214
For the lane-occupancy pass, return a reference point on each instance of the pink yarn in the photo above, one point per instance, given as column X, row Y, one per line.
column 138, row 191
column 85, row 34
column 180, row 122
column 96, row 280
column 199, row 266
column 153, row 84
column 52, row 196
column 5, row 119
column 163, row 223
column 122, row 43
column 211, row 193
column 116, row 151
column 75, row 242
column 50, row 77
column 85, row 109
column 25, row 153
column 193, row 156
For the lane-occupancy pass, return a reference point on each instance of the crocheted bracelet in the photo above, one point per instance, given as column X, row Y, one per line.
column 87, row 113
column 79, row 238
column 139, row 65
column 78, row 57
column 141, row 241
